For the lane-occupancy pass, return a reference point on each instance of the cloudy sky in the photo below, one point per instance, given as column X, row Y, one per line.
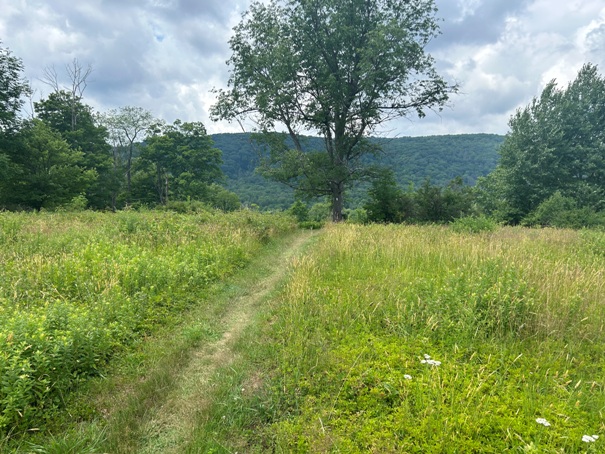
column 167, row 55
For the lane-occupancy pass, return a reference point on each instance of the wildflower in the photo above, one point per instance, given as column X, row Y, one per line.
column 432, row 362
column 542, row 421
column 589, row 438
column 427, row 360
column 407, row 377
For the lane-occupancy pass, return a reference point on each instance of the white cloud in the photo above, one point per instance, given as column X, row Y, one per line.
column 536, row 43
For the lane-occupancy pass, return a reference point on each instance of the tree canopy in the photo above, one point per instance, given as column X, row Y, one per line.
column 13, row 87
column 556, row 144
column 337, row 68
column 127, row 128
column 44, row 171
column 75, row 121
column 181, row 161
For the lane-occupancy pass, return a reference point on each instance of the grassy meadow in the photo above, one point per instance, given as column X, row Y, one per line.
column 402, row 339
column 424, row 340
column 78, row 288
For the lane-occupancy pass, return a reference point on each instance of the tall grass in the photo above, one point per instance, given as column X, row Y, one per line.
column 77, row 288
column 422, row 339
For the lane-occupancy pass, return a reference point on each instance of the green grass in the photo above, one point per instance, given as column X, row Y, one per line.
column 515, row 317
column 335, row 358
column 78, row 289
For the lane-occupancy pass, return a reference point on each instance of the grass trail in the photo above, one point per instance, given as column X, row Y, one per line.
column 167, row 426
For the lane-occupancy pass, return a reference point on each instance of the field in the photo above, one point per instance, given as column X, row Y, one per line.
column 376, row 339
column 420, row 339
column 77, row 289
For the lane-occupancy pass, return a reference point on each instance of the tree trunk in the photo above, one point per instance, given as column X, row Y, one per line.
column 337, row 201
column 128, row 174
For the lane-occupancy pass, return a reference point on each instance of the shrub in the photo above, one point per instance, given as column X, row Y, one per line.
column 300, row 211
column 564, row 212
column 474, row 224
column 320, row 212
column 357, row 216
column 311, row 225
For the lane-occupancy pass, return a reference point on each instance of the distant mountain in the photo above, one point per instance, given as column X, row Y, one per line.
column 413, row 159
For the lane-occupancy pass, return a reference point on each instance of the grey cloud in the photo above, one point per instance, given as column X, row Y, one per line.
column 215, row 9
column 166, row 55
column 484, row 25
column 595, row 43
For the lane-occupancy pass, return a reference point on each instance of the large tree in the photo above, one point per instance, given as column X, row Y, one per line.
column 127, row 126
column 556, row 144
column 182, row 161
column 72, row 93
column 45, row 172
column 336, row 68
column 13, row 88
column 76, row 122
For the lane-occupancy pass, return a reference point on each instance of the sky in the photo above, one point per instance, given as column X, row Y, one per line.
column 167, row 55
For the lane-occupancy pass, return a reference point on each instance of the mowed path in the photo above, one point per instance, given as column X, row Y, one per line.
column 168, row 428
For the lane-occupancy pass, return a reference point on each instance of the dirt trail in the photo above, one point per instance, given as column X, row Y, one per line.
column 170, row 426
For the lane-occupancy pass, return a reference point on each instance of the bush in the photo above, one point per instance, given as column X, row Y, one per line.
column 223, row 199
column 563, row 212
column 474, row 224
column 357, row 216
column 300, row 211
column 384, row 204
column 311, row 225
column 78, row 203
column 320, row 212
column 428, row 204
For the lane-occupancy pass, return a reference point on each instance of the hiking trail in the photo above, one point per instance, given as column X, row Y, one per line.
column 168, row 428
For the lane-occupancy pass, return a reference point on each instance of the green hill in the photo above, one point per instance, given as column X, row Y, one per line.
column 413, row 159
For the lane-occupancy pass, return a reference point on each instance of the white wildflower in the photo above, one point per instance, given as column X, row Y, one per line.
column 542, row 421
column 407, row 377
column 589, row 438
column 432, row 362
column 426, row 356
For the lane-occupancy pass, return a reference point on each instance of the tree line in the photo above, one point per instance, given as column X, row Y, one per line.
column 336, row 68
column 552, row 162
column 67, row 154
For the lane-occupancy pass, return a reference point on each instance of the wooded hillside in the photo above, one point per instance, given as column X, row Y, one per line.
column 413, row 159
